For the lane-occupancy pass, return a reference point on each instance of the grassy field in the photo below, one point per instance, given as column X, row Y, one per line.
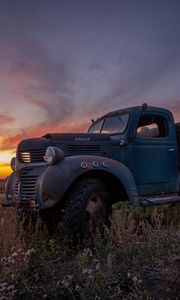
column 2, row 184
column 138, row 258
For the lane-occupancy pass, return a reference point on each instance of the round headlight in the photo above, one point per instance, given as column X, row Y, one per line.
column 13, row 164
column 53, row 155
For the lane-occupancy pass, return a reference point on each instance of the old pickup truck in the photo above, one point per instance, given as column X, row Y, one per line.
column 131, row 154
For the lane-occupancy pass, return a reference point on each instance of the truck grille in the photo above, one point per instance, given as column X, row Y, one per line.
column 28, row 185
column 16, row 189
column 32, row 155
column 93, row 149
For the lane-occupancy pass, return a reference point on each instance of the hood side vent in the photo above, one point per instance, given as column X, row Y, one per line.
column 85, row 148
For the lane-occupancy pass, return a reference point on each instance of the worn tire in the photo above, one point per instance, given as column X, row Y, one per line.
column 87, row 209
column 51, row 218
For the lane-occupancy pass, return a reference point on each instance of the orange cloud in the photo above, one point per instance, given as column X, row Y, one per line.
column 11, row 142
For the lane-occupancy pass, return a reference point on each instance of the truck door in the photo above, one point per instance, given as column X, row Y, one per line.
column 155, row 155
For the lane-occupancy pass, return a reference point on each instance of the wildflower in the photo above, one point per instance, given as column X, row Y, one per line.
column 14, row 255
column 10, row 288
column 30, row 251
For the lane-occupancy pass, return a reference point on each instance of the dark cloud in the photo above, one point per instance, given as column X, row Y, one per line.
column 80, row 58
column 5, row 119
column 97, row 67
column 44, row 83
column 138, row 74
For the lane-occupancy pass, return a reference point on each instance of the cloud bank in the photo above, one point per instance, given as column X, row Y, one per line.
column 62, row 63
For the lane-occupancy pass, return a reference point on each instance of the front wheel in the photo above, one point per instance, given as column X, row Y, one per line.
column 87, row 208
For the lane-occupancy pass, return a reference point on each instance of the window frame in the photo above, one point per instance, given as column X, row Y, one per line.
column 156, row 114
column 98, row 121
column 105, row 118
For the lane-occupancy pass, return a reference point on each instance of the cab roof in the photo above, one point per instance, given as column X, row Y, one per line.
column 130, row 109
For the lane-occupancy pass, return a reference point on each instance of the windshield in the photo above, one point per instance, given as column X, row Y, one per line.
column 96, row 128
column 111, row 125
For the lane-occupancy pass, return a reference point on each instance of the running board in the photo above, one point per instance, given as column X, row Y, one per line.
column 159, row 200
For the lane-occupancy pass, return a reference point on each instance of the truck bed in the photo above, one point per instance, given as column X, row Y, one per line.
column 178, row 137
column 178, row 132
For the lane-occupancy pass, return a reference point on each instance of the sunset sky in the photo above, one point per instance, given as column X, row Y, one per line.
column 63, row 62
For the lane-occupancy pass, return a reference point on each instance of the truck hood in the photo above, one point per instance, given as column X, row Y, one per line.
column 33, row 150
column 81, row 137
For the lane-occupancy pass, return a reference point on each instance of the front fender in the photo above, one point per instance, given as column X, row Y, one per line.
column 10, row 187
column 56, row 179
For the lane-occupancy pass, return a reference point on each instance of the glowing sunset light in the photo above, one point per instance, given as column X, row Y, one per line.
column 5, row 158
column 5, row 170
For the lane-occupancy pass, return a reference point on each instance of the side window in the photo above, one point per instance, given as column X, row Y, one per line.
column 152, row 127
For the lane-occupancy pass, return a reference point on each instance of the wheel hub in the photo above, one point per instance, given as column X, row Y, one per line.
column 95, row 214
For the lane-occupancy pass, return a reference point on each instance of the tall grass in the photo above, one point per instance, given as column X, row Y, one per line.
column 138, row 258
column 2, row 185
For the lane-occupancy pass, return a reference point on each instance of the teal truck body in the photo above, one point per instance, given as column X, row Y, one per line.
column 131, row 154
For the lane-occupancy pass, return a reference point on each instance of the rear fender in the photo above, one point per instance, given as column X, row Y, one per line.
column 57, row 179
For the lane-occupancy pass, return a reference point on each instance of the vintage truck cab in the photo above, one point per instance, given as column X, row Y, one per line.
column 131, row 154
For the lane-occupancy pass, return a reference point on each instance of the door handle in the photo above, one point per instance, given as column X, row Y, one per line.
column 171, row 150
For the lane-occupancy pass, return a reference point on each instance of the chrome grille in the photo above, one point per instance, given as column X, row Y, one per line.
column 16, row 189
column 28, row 185
column 85, row 148
column 32, row 155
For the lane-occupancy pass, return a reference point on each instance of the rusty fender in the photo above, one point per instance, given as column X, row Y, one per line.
column 10, row 187
column 55, row 180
